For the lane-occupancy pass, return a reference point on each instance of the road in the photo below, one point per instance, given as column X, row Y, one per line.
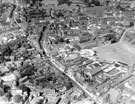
column 61, row 68
column 91, row 96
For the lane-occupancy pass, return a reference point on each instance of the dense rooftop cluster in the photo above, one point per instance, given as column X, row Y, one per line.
column 67, row 52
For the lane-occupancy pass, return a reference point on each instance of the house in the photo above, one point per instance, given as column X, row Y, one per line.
column 50, row 2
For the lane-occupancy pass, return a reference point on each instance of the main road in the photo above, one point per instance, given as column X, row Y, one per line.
column 61, row 68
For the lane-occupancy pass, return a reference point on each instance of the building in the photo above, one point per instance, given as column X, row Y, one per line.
column 85, row 101
column 50, row 2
